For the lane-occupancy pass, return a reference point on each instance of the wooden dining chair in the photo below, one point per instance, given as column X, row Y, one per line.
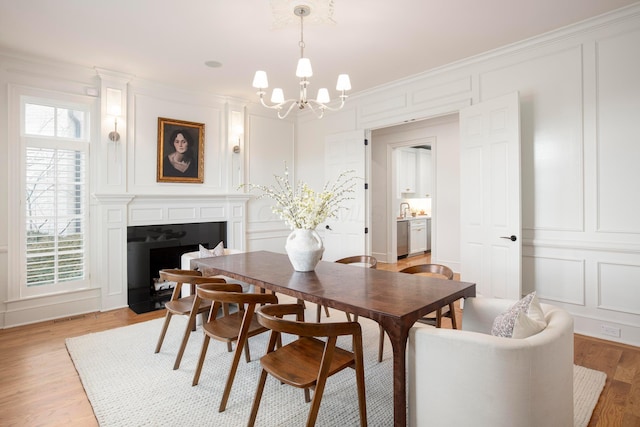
column 238, row 326
column 435, row 270
column 431, row 270
column 362, row 260
column 308, row 361
column 183, row 305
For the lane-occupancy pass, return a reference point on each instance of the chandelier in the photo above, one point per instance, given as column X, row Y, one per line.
column 318, row 105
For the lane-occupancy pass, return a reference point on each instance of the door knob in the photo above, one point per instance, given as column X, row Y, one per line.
column 512, row 238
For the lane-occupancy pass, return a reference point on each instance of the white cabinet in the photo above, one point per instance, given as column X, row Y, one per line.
column 406, row 170
column 417, row 236
column 423, row 175
column 413, row 172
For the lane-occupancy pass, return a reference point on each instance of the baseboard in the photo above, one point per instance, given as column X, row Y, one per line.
column 34, row 310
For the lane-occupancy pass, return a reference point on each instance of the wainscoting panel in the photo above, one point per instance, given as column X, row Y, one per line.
column 383, row 107
column 618, row 68
column 443, row 92
column 554, row 279
column 619, row 287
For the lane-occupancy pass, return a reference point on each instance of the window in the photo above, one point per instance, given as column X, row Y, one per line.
column 55, row 204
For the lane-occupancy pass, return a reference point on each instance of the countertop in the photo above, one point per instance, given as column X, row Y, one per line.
column 413, row 218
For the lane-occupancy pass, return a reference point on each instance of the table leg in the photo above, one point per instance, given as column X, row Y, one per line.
column 398, row 337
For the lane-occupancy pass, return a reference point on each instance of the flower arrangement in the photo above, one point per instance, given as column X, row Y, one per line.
column 302, row 207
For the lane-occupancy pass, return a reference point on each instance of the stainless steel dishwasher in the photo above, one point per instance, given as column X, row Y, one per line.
column 403, row 238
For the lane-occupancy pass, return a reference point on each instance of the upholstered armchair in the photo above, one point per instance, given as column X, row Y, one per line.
column 470, row 378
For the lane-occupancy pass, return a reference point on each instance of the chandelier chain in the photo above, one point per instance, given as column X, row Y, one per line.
column 301, row 44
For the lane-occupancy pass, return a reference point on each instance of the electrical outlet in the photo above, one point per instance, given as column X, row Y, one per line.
column 610, row 331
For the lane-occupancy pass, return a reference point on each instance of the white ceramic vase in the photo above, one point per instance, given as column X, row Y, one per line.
column 304, row 248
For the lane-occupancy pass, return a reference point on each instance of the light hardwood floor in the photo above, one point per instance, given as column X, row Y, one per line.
column 40, row 387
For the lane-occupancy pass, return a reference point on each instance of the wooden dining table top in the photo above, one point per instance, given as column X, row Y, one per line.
column 394, row 300
column 364, row 291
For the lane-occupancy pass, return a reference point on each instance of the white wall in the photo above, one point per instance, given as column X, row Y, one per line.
column 579, row 95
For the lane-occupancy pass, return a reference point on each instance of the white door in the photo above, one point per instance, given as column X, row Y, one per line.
column 345, row 236
column 491, row 250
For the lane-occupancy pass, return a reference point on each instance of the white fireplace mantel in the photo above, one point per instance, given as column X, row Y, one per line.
column 113, row 213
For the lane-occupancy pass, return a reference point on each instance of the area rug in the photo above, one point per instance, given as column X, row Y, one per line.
column 128, row 385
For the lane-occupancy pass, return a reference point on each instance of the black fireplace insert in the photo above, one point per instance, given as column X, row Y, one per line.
column 151, row 248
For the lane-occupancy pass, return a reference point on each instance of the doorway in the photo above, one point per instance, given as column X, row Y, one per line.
column 442, row 135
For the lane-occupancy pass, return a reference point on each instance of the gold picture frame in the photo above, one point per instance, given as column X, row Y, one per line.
column 180, row 151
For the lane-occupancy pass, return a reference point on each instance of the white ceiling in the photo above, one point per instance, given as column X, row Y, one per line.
column 374, row 41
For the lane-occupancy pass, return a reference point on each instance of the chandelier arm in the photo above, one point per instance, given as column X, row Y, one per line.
column 275, row 106
column 325, row 106
column 318, row 104
column 293, row 104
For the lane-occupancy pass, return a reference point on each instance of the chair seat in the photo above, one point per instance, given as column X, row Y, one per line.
column 226, row 328
column 302, row 359
column 184, row 305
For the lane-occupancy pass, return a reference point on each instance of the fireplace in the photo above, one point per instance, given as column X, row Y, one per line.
column 154, row 247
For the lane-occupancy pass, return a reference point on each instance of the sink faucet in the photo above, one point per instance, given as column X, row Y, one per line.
column 403, row 212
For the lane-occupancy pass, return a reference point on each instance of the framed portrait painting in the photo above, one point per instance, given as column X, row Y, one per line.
column 180, row 151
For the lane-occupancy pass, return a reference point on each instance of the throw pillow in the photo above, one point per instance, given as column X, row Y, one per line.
column 217, row 251
column 523, row 319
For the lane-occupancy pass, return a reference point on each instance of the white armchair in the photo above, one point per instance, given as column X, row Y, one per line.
column 470, row 378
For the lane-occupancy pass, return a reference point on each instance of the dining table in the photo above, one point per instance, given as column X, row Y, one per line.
column 394, row 300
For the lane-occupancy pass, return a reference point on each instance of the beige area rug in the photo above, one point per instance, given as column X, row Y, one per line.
column 128, row 385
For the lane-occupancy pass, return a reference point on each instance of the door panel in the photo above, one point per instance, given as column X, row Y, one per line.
column 490, row 197
column 345, row 235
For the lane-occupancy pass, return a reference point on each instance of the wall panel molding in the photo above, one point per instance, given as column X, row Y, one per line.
column 554, row 278
column 619, row 287
column 617, row 70
column 584, row 245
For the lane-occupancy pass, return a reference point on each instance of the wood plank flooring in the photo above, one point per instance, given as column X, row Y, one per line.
column 39, row 385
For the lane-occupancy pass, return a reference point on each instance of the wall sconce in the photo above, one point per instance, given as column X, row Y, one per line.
column 114, row 110
column 114, row 135
column 238, row 131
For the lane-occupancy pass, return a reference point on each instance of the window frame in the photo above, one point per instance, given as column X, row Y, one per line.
column 20, row 96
